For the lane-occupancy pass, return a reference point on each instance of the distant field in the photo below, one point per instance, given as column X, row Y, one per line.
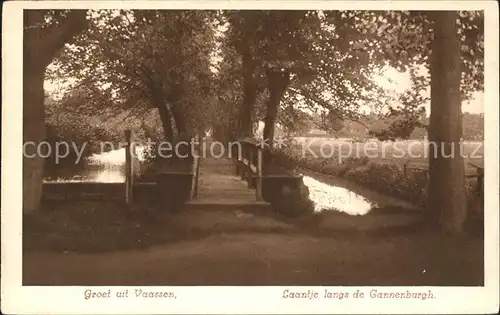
column 399, row 152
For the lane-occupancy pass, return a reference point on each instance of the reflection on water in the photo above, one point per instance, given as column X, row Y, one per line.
column 102, row 173
column 114, row 157
column 328, row 197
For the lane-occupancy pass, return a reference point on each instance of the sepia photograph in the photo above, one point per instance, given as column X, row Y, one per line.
column 329, row 154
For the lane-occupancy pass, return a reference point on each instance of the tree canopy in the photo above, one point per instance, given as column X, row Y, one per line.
column 197, row 67
column 146, row 59
column 333, row 57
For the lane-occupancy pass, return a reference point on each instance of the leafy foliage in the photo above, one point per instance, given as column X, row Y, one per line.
column 139, row 59
column 333, row 56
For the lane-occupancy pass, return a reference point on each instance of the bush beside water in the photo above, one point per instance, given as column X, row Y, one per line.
column 288, row 196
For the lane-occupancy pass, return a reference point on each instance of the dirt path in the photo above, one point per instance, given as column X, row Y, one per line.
column 271, row 259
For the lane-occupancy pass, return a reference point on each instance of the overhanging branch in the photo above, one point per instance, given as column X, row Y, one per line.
column 324, row 104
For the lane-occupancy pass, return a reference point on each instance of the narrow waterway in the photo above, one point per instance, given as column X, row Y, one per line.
column 328, row 193
column 334, row 193
column 336, row 198
column 108, row 167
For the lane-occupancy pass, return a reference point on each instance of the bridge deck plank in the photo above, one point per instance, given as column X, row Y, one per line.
column 219, row 185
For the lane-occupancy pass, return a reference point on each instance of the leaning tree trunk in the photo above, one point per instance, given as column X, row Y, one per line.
column 277, row 83
column 180, row 123
column 166, row 122
column 159, row 101
column 249, row 96
column 447, row 199
column 40, row 45
column 175, row 100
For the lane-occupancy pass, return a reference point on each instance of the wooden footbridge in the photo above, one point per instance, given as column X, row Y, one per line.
column 218, row 184
column 231, row 178
column 228, row 176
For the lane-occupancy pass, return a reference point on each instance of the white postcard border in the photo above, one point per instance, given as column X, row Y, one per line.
column 62, row 300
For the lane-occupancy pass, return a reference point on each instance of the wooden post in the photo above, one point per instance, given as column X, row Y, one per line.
column 242, row 162
column 196, row 157
column 236, row 158
column 136, row 164
column 258, row 189
column 251, row 154
column 128, row 169
column 198, row 150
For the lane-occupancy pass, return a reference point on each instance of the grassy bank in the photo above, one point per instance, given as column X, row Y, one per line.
column 104, row 226
column 92, row 226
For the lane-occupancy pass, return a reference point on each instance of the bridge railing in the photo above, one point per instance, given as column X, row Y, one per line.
column 249, row 164
column 196, row 167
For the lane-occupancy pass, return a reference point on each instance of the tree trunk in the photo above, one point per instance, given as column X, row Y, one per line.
column 180, row 123
column 166, row 122
column 34, row 132
column 175, row 101
column 158, row 99
column 277, row 83
column 447, row 199
column 39, row 48
column 250, row 93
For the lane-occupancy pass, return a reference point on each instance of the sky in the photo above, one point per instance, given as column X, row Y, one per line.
column 399, row 82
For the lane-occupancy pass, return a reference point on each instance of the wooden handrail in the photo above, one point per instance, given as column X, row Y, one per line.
column 250, row 140
column 258, row 188
column 252, row 159
column 251, row 164
column 196, row 169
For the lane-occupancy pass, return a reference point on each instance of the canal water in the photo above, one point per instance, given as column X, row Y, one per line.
column 109, row 167
column 336, row 198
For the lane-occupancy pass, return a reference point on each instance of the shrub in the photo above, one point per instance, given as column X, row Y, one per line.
column 355, row 161
column 334, row 169
column 293, row 201
column 84, row 137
